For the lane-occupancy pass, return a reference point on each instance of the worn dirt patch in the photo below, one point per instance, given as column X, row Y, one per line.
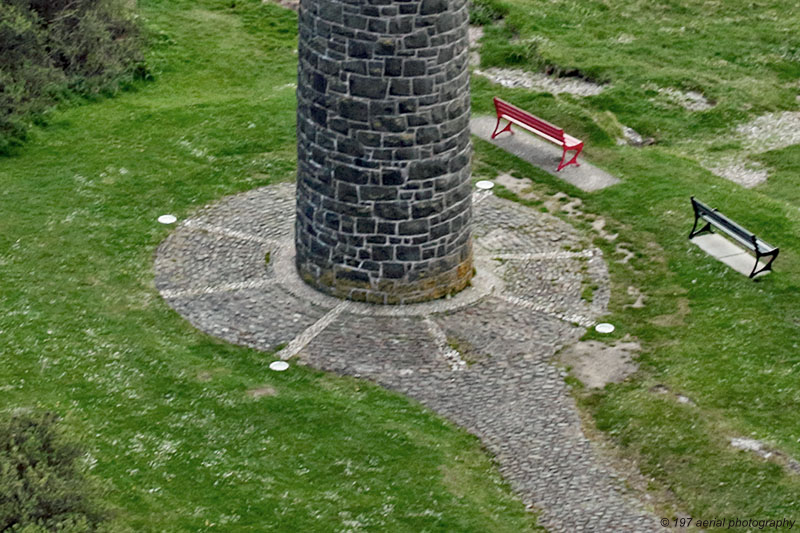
column 599, row 225
column 674, row 319
column 690, row 100
column 767, row 452
column 740, row 170
column 637, row 294
column 288, row 4
column 634, row 138
column 260, row 392
column 772, row 131
column 538, row 81
column 474, row 35
column 626, row 254
column 205, row 376
column 563, row 202
column 597, row 364
column 519, row 186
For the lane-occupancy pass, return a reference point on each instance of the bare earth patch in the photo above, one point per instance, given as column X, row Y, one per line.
column 674, row 319
column 288, row 4
column 634, row 138
column 474, row 35
column 623, row 38
column 519, row 186
column 597, row 364
column 563, row 202
column 772, row 131
column 691, row 100
column 739, row 170
column 260, row 392
column 637, row 294
column 626, row 254
column 508, row 77
column 766, row 452
column 599, row 225
column 680, row 398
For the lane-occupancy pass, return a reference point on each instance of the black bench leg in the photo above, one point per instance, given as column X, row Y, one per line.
column 768, row 266
column 706, row 228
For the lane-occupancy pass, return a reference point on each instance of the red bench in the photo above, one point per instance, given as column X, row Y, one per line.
column 554, row 134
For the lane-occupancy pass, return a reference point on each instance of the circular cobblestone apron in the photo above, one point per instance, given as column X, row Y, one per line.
column 480, row 358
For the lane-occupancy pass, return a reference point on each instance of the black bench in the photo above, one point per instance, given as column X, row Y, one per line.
column 746, row 238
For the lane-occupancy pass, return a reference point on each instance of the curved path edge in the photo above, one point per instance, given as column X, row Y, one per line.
column 481, row 358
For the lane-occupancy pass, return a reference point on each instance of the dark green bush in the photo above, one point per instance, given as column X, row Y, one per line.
column 53, row 48
column 43, row 486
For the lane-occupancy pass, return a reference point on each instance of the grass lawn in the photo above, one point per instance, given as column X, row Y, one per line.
column 163, row 409
column 729, row 344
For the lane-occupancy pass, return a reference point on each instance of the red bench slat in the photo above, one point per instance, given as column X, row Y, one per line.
column 541, row 127
column 504, row 108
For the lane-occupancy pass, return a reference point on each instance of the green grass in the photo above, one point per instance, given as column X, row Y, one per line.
column 743, row 56
column 726, row 342
column 162, row 409
column 785, row 166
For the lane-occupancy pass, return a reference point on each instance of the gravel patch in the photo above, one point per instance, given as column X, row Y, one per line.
column 766, row 452
column 294, row 5
column 537, row 81
column 691, row 100
column 634, row 138
column 623, row 38
column 739, row 169
column 772, row 131
column 474, row 35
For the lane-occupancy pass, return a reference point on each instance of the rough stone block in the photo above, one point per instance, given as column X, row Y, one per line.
column 383, row 149
column 367, row 87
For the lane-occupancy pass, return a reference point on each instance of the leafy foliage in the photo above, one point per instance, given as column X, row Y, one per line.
column 42, row 483
column 52, row 49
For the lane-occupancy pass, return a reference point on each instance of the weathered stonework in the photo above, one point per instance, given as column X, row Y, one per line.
column 522, row 307
column 383, row 183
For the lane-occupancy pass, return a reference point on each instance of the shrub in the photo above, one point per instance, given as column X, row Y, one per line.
column 52, row 48
column 43, row 486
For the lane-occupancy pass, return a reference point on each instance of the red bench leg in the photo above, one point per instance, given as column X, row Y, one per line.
column 574, row 160
column 507, row 128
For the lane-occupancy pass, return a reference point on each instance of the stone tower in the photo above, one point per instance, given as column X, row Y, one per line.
column 383, row 182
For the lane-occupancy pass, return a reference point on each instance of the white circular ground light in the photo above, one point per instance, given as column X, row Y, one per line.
column 167, row 219
column 484, row 185
column 604, row 327
column 278, row 366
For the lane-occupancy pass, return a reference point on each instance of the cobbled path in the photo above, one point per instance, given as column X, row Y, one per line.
column 480, row 358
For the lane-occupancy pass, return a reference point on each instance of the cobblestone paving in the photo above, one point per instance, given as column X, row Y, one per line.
column 480, row 358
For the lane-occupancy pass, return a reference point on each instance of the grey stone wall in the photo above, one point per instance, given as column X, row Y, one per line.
column 383, row 182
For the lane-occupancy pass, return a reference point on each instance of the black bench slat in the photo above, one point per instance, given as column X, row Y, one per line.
column 742, row 235
column 735, row 228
